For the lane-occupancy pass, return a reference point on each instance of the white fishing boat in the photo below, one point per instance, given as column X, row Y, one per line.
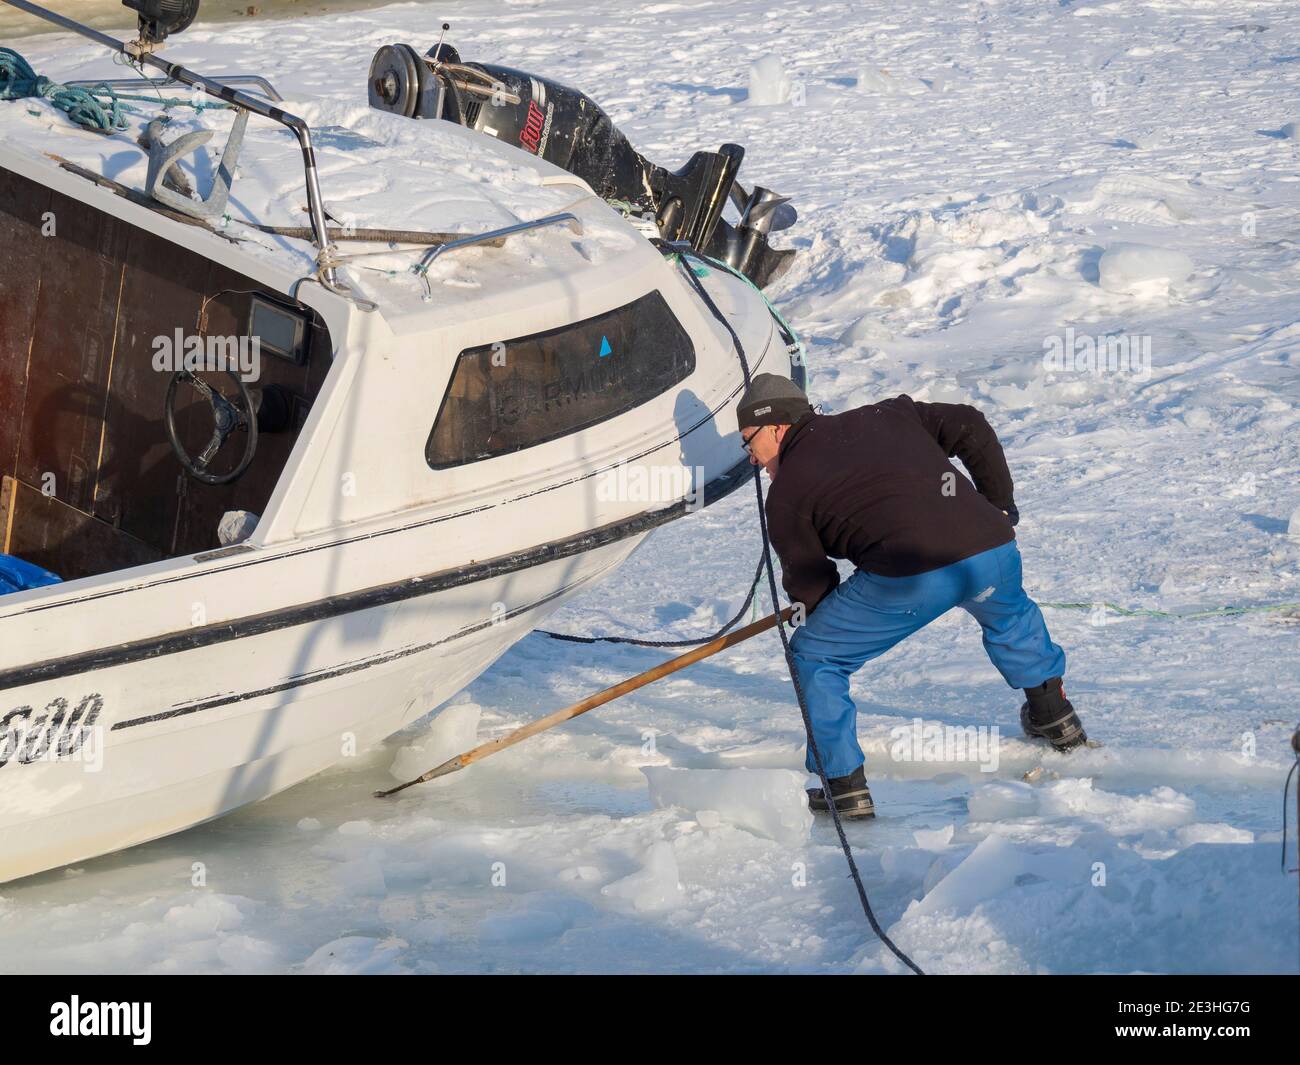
column 442, row 438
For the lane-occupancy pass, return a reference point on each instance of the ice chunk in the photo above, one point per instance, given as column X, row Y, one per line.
column 1002, row 801
column 906, row 863
column 450, row 733
column 768, row 81
column 654, row 886
column 767, row 802
column 709, row 818
column 934, row 839
column 1291, row 131
column 989, row 870
column 1293, row 526
column 207, row 915
column 1129, row 267
column 1217, row 832
column 1120, row 815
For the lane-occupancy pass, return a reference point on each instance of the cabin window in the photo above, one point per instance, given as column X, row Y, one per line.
column 514, row 394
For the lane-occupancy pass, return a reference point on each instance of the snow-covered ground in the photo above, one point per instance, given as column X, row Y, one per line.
column 981, row 186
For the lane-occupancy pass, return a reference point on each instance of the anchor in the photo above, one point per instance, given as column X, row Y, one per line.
column 163, row 171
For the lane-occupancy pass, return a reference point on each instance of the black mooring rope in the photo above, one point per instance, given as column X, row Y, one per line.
column 1286, row 791
column 753, row 587
column 789, row 655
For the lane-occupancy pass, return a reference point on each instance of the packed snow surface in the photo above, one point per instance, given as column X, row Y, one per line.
column 1125, row 267
column 972, row 181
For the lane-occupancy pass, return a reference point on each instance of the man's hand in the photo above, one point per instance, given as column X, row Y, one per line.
column 1013, row 514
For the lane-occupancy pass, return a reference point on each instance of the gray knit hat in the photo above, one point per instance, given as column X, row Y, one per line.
column 771, row 400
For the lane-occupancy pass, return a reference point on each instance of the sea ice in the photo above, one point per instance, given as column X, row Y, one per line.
column 452, row 732
column 989, row 870
column 654, row 887
column 356, row 954
column 1002, row 801
column 525, row 926
column 768, row 802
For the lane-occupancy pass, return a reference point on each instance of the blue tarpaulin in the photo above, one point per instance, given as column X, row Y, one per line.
column 17, row 575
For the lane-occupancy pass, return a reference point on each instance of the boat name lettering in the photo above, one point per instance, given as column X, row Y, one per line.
column 52, row 734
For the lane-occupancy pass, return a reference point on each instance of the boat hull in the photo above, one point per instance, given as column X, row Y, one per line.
column 138, row 700
column 283, row 705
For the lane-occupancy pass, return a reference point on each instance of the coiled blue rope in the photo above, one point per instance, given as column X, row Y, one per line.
column 18, row 81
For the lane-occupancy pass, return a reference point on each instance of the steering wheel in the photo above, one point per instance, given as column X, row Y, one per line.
column 227, row 416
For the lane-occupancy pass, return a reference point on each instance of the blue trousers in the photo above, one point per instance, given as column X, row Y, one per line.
column 867, row 615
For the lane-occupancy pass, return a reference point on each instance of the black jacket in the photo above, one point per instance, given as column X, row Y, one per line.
column 874, row 486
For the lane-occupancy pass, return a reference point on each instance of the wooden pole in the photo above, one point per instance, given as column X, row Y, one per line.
column 592, row 701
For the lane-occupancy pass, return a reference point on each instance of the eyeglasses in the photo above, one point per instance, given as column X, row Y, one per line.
column 747, row 442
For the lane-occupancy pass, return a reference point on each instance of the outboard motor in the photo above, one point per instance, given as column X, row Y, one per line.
column 568, row 128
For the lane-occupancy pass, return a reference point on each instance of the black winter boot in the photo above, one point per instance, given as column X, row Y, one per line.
column 851, row 794
column 1048, row 715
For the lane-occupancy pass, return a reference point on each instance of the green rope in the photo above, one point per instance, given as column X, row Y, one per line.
column 18, row 81
column 803, row 353
column 1217, row 612
column 703, row 271
column 168, row 102
column 99, row 108
column 626, row 208
column 698, row 271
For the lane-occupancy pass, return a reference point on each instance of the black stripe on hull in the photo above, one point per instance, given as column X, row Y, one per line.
column 355, row 666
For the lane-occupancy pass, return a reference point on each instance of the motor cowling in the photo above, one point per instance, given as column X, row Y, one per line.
column 569, row 129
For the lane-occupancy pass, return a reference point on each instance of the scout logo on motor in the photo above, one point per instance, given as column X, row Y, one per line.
column 50, row 735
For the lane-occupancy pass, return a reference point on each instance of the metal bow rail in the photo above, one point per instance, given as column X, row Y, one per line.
column 489, row 236
column 326, row 256
column 268, row 90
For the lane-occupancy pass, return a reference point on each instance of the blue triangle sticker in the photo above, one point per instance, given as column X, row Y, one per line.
column 605, row 349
